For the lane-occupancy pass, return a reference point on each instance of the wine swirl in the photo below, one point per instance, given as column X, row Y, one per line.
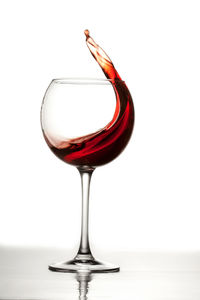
column 104, row 145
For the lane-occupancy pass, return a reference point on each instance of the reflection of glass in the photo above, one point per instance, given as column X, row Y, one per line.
column 83, row 277
column 72, row 112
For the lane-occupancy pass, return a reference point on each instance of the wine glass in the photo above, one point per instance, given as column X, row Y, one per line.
column 86, row 123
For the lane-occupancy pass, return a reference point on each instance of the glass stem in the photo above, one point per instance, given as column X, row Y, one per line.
column 84, row 249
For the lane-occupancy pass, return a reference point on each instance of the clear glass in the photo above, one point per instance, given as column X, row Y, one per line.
column 72, row 109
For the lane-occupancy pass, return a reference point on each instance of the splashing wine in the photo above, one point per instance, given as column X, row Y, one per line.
column 103, row 146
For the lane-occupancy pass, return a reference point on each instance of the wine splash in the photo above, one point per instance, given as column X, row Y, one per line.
column 103, row 146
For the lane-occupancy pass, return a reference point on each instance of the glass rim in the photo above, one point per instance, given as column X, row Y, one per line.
column 84, row 80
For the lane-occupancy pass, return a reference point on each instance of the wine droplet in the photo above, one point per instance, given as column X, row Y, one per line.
column 87, row 33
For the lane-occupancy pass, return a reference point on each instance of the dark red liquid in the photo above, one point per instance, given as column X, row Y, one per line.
column 103, row 146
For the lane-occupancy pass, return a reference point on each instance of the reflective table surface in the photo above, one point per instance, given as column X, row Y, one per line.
column 24, row 274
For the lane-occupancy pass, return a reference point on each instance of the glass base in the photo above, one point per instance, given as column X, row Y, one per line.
column 88, row 265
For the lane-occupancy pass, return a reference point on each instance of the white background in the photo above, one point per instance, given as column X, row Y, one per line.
column 148, row 198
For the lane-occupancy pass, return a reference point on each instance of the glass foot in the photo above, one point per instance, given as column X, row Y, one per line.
column 90, row 265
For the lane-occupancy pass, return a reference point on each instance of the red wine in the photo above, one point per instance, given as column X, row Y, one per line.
column 103, row 146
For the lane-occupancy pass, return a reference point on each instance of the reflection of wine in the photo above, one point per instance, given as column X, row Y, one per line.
column 101, row 147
